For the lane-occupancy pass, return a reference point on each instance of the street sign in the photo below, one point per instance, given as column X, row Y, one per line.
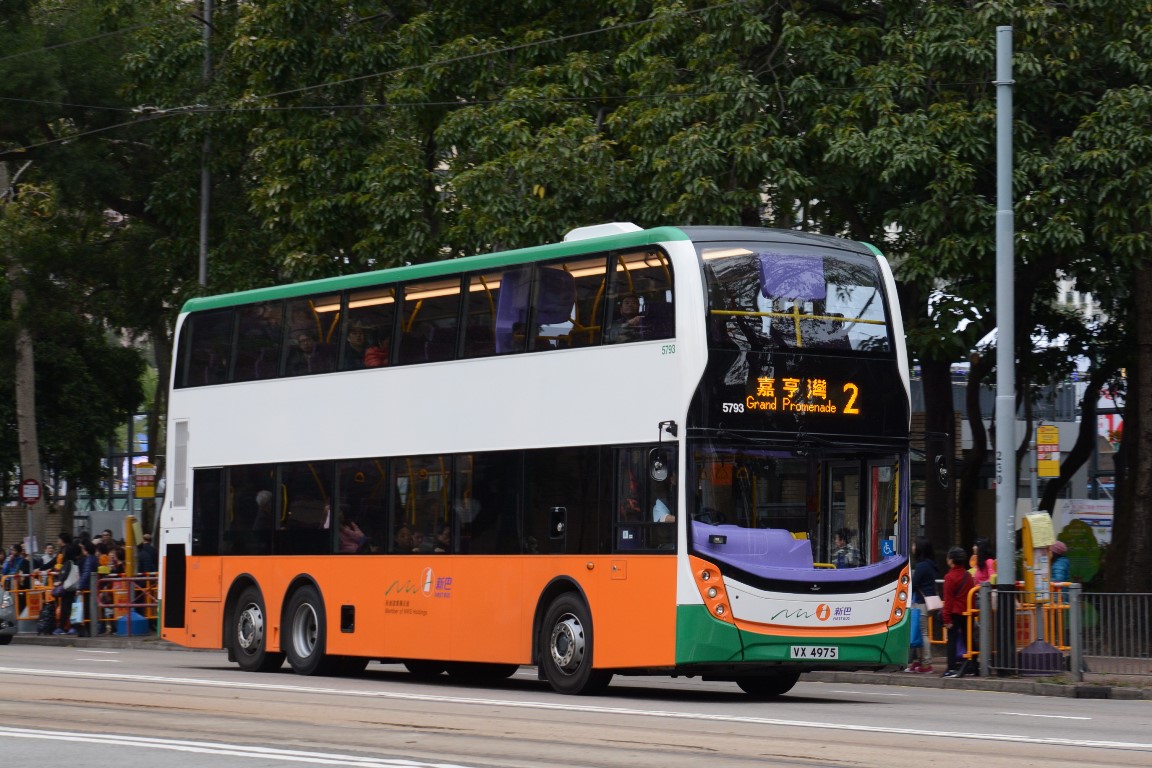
column 30, row 491
column 145, row 481
column 1048, row 451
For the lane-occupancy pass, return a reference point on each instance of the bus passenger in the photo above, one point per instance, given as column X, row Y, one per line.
column 352, row 539
column 662, row 507
column 355, row 347
column 626, row 324
column 265, row 515
column 442, row 544
column 300, row 356
column 402, row 540
column 844, row 555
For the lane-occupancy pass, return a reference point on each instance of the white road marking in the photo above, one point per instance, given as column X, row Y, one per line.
column 869, row 693
column 105, row 661
column 568, row 706
column 88, row 650
column 229, row 750
column 1055, row 717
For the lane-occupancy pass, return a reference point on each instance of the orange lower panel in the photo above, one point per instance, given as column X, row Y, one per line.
column 467, row 608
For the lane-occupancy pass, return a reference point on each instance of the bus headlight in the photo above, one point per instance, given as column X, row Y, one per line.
column 904, row 579
column 903, row 596
column 705, row 575
column 899, row 612
column 712, row 592
column 720, row 610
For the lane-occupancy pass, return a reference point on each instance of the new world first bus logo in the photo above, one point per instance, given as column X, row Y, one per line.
column 436, row 586
column 823, row 613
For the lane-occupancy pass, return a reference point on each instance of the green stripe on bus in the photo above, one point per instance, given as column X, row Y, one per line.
column 439, row 268
column 703, row 639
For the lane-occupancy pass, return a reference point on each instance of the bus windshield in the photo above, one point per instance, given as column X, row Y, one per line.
column 769, row 297
column 759, row 507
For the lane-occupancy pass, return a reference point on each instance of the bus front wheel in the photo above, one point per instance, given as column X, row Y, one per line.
column 249, row 634
column 769, row 686
column 566, row 646
column 306, row 636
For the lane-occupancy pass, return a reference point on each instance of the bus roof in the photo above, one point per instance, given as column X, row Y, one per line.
column 439, row 268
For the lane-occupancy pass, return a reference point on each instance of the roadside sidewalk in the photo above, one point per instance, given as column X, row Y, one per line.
column 147, row 642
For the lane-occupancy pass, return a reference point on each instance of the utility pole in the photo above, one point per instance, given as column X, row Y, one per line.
column 206, row 150
column 1006, row 487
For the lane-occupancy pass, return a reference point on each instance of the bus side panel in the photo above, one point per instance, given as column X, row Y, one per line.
column 473, row 608
column 633, row 605
column 202, row 609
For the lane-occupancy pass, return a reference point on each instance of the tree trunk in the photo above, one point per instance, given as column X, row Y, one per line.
column 1129, row 560
column 27, row 437
column 939, row 423
column 965, row 523
column 1086, row 439
column 162, row 347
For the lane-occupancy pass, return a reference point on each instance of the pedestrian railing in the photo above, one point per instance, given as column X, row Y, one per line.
column 120, row 605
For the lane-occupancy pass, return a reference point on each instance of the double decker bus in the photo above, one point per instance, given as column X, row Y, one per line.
column 679, row 451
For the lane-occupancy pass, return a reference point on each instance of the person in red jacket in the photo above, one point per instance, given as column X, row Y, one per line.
column 957, row 584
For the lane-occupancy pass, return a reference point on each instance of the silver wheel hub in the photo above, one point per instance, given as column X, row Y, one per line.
column 250, row 629
column 305, row 629
column 567, row 644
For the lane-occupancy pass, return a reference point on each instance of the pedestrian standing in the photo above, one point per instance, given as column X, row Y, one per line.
column 924, row 575
column 957, row 584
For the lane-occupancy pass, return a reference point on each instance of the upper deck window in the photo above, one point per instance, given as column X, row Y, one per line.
column 764, row 297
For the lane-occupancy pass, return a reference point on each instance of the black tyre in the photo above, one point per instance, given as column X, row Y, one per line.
column 422, row 668
column 6, row 639
column 768, row 686
column 478, row 672
column 306, row 635
column 566, row 647
column 248, row 634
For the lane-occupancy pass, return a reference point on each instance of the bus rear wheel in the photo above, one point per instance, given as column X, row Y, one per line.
column 306, row 636
column 248, row 636
column 566, row 647
column 768, row 686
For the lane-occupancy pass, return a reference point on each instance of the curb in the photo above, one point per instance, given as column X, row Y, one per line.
column 138, row 642
column 1040, row 687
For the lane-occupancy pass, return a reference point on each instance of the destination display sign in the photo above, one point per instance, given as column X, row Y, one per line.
column 814, row 393
column 794, row 394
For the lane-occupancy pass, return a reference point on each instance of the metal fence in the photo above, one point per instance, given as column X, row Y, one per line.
column 118, row 605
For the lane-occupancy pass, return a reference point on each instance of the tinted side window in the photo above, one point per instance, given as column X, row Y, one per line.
column 206, row 499
column 490, row 482
column 208, row 347
column 645, row 508
column 428, row 321
column 583, row 327
column 642, row 298
column 362, row 506
column 480, row 314
column 561, row 501
column 312, row 325
column 368, row 328
column 422, row 490
column 305, row 523
column 259, row 339
column 251, row 511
